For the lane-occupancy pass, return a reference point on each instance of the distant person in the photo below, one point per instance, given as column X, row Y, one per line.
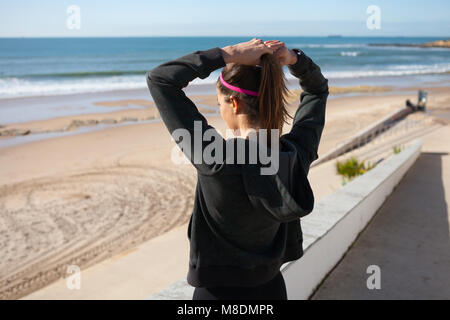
column 245, row 224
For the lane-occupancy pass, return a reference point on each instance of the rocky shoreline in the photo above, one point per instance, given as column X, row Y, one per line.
column 74, row 124
column 70, row 123
column 434, row 44
column 206, row 104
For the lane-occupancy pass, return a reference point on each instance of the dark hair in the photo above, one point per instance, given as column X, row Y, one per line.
column 269, row 107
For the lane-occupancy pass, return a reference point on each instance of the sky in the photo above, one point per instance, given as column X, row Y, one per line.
column 113, row 18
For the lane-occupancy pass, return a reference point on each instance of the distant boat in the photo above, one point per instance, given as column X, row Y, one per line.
column 334, row 36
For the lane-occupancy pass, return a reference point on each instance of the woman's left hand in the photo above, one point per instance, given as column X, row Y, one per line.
column 247, row 53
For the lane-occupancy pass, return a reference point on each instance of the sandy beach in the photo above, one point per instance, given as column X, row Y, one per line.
column 89, row 195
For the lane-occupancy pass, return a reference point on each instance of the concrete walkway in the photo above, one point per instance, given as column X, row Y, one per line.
column 408, row 238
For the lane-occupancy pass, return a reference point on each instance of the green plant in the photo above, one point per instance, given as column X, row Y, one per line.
column 351, row 168
column 397, row 149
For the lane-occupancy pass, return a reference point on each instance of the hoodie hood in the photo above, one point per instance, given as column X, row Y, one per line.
column 286, row 195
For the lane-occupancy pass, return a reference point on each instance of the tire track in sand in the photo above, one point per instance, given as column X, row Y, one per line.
column 81, row 219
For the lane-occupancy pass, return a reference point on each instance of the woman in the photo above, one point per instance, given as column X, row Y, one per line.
column 245, row 224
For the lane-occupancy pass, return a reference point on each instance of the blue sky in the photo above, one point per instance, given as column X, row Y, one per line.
column 47, row 18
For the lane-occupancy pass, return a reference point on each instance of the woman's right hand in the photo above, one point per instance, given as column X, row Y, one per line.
column 281, row 52
column 247, row 53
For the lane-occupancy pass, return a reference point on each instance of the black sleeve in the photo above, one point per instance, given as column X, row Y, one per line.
column 309, row 118
column 178, row 112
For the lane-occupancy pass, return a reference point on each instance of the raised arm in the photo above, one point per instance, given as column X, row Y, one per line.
column 177, row 111
column 309, row 118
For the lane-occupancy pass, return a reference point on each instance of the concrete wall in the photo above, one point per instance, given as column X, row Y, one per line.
column 332, row 227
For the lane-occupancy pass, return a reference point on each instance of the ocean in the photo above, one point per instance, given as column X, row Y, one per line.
column 54, row 66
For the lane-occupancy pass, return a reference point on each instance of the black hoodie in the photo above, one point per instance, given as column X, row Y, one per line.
column 244, row 225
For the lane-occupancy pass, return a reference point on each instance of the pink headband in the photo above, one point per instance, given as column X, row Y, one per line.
column 229, row 86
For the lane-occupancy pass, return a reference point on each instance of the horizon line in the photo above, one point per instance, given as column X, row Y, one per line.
column 222, row 36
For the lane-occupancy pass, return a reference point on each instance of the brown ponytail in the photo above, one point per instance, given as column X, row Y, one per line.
column 272, row 94
column 269, row 107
